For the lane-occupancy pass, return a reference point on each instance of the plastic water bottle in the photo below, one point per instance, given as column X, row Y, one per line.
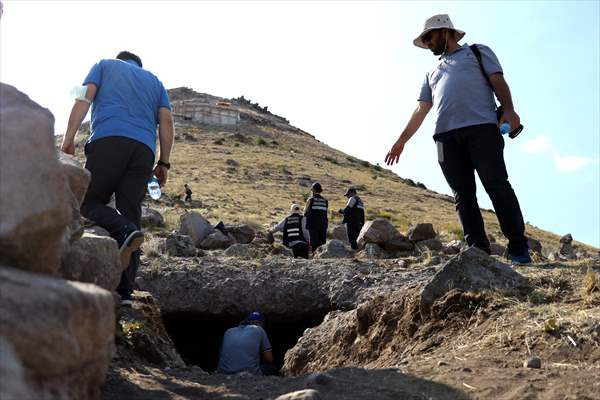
column 505, row 128
column 154, row 188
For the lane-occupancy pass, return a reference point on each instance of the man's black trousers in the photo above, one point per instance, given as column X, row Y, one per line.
column 121, row 166
column 300, row 249
column 318, row 237
column 480, row 148
column 353, row 232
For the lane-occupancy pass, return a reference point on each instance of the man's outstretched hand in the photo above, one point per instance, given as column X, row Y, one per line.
column 393, row 155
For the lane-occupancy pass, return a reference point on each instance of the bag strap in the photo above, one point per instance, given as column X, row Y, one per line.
column 477, row 53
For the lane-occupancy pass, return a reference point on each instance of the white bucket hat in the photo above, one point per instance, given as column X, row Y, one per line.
column 295, row 208
column 440, row 21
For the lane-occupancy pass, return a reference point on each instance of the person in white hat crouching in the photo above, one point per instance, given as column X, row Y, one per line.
column 295, row 234
column 460, row 89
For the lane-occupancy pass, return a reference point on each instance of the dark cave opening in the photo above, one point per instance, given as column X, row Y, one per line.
column 197, row 337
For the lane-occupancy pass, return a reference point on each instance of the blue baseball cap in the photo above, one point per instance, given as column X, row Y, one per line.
column 255, row 316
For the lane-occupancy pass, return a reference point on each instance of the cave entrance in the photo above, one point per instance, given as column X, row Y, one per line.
column 197, row 337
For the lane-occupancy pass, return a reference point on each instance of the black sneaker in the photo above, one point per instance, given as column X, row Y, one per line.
column 132, row 242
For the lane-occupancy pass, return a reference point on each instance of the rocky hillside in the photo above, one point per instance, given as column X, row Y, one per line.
column 251, row 173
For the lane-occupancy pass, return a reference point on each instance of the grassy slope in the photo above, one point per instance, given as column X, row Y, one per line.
column 270, row 167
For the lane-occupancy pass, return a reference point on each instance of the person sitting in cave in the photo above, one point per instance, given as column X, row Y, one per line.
column 246, row 348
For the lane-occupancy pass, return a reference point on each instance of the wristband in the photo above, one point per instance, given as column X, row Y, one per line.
column 163, row 164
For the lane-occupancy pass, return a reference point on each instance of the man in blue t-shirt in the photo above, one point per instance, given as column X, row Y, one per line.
column 128, row 102
column 246, row 348
column 466, row 132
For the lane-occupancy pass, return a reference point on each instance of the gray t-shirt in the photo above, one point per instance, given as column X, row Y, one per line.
column 242, row 348
column 460, row 94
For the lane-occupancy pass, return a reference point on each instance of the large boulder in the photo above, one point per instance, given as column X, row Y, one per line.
column 534, row 245
column 373, row 250
column 473, row 270
column 421, row 231
column 216, row 240
column 61, row 331
column 340, row 233
column 177, row 245
column 333, row 249
column 379, row 231
column 12, row 377
column 434, row 244
column 196, row 226
column 568, row 238
column 34, row 195
column 152, row 218
column 241, row 233
column 93, row 259
column 77, row 176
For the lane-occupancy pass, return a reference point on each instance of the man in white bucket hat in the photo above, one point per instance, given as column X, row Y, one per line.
column 466, row 131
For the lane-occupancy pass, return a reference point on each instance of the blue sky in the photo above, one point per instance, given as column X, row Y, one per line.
column 348, row 73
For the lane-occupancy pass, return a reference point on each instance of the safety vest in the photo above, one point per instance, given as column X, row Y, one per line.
column 292, row 229
column 316, row 215
column 356, row 213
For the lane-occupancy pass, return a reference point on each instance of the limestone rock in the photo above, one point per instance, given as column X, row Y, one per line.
column 333, row 249
column 143, row 326
column 241, row 233
column 378, row 231
column 13, row 385
column 534, row 245
column 215, row 240
column 93, row 259
column 568, row 238
column 243, row 251
column 306, row 394
column 497, row 249
column 152, row 218
column 62, row 331
column 434, row 244
column 566, row 250
column 373, row 250
column 77, row 176
column 399, row 243
column 179, row 245
column 340, row 233
column 33, row 195
column 196, row 226
column 421, row 231
column 473, row 270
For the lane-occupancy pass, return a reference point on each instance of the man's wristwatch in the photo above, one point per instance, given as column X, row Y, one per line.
column 163, row 164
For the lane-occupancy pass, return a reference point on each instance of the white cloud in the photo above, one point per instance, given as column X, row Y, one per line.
column 541, row 144
column 538, row 144
column 570, row 163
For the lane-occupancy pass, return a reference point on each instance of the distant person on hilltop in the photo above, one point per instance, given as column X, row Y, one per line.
column 354, row 216
column 246, row 348
column 188, row 193
column 462, row 87
column 295, row 234
column 127, row 104
column 315, row 212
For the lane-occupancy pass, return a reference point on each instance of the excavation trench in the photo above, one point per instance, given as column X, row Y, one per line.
column 197, row 337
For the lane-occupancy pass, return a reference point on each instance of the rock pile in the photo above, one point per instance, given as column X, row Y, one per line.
column 56, row 336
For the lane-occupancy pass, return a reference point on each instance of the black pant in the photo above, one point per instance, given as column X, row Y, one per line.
column 121, row 166
column 318, row 237
column 300, row 249
column 353, row 232
column 480, row 148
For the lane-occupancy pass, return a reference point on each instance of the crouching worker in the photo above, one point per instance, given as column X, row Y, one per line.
column 246, row 348
column 295, row 234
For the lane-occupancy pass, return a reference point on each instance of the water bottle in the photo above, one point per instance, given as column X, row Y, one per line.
column 154, row 188
column 505, row 128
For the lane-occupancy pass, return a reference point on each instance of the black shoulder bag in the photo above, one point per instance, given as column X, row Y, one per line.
column 499, row 110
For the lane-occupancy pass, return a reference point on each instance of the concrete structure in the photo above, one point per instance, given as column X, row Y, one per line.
column 213, row 114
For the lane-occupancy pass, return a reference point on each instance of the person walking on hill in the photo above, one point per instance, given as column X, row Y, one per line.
column 315, row 212
column 295, row 234
column 188, row 193
column 246, row 348
column 466, row 131
column 354, row 216
column 127, row 104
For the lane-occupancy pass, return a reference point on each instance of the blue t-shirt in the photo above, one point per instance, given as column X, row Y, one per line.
column 127, row 101
column 242, row 348
column 460, row 93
